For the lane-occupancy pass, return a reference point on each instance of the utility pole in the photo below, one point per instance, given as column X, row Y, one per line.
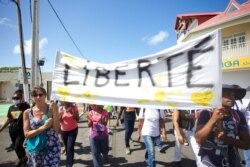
column 25, row 81
column 35, row 45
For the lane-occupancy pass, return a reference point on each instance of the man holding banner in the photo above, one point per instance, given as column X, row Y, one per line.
column 220, row 132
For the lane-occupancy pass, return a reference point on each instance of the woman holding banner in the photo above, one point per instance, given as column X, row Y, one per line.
column 41, row 126
column 69, row 116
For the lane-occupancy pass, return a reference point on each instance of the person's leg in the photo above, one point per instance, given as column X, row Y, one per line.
column 104, row 148
column 20, row 151
column 18, row 147
column 63, row 149
column 70, row 147
column 11, row 146
column 150, row 150
column 64, row 138
column 13, row 137
column 127, row 136
column 177, row 149
column 158, row 143
column 195, row 146
column 95, row 151
column 131, row 128
column 247, row 157
column 126, row 126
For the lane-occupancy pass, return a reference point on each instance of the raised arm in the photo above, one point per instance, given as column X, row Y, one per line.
column 243, row 140
column 140, row 124
column 203, row 130
column 176, row 119
column 163, row 127
column 28, row 133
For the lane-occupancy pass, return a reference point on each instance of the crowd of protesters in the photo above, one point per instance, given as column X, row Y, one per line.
column 215, row 135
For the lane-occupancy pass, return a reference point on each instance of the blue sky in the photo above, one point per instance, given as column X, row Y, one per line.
column 105, row 31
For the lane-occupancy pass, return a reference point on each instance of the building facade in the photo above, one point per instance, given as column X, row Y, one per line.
column 234, row 23
column 11, row 80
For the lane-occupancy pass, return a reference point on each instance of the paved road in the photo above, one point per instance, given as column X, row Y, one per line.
column 117, row 149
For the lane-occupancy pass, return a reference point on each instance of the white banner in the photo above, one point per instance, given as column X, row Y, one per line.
column 187, row 75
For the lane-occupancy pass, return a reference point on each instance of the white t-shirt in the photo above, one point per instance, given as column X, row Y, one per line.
column 151, row 121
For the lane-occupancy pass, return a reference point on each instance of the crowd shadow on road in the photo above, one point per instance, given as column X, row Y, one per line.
column 78, row 161
column 184, row 162
column 80, row 150
column 122, row 161
column 7, row 164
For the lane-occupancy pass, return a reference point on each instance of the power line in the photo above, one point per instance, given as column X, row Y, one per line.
column 30, row 11
column 66, row 29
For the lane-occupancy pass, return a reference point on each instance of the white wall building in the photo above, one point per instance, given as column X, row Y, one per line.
column 234, row 23
column 11, row 80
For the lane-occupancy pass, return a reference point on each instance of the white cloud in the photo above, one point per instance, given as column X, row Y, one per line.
column 7, row 23
column 157, row 38
column 43, row 42
column 27, row 46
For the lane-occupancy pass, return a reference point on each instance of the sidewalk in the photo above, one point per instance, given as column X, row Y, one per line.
column 117, row 149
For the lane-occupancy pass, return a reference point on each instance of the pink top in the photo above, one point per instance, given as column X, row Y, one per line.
column 96, row 117
column 68, row 122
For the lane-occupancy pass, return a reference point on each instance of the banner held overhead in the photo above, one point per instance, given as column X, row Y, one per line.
column 187, row 75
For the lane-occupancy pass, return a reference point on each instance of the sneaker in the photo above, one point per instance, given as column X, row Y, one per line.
column 110, row 132
column 127, row 150
column 161, row 150
column 9, row 147
column 243, row 162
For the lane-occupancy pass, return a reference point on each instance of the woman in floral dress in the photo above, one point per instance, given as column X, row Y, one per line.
column 42, row 118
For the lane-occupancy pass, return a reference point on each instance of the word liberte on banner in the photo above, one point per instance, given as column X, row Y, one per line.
column 160, row 80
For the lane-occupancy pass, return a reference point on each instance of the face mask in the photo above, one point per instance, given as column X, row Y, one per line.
column 15, row 102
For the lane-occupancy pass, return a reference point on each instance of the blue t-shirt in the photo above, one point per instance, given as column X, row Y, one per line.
column 213, row 151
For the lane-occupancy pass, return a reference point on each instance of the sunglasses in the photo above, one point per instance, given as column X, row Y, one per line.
column 39, row 94
column 15, row 98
